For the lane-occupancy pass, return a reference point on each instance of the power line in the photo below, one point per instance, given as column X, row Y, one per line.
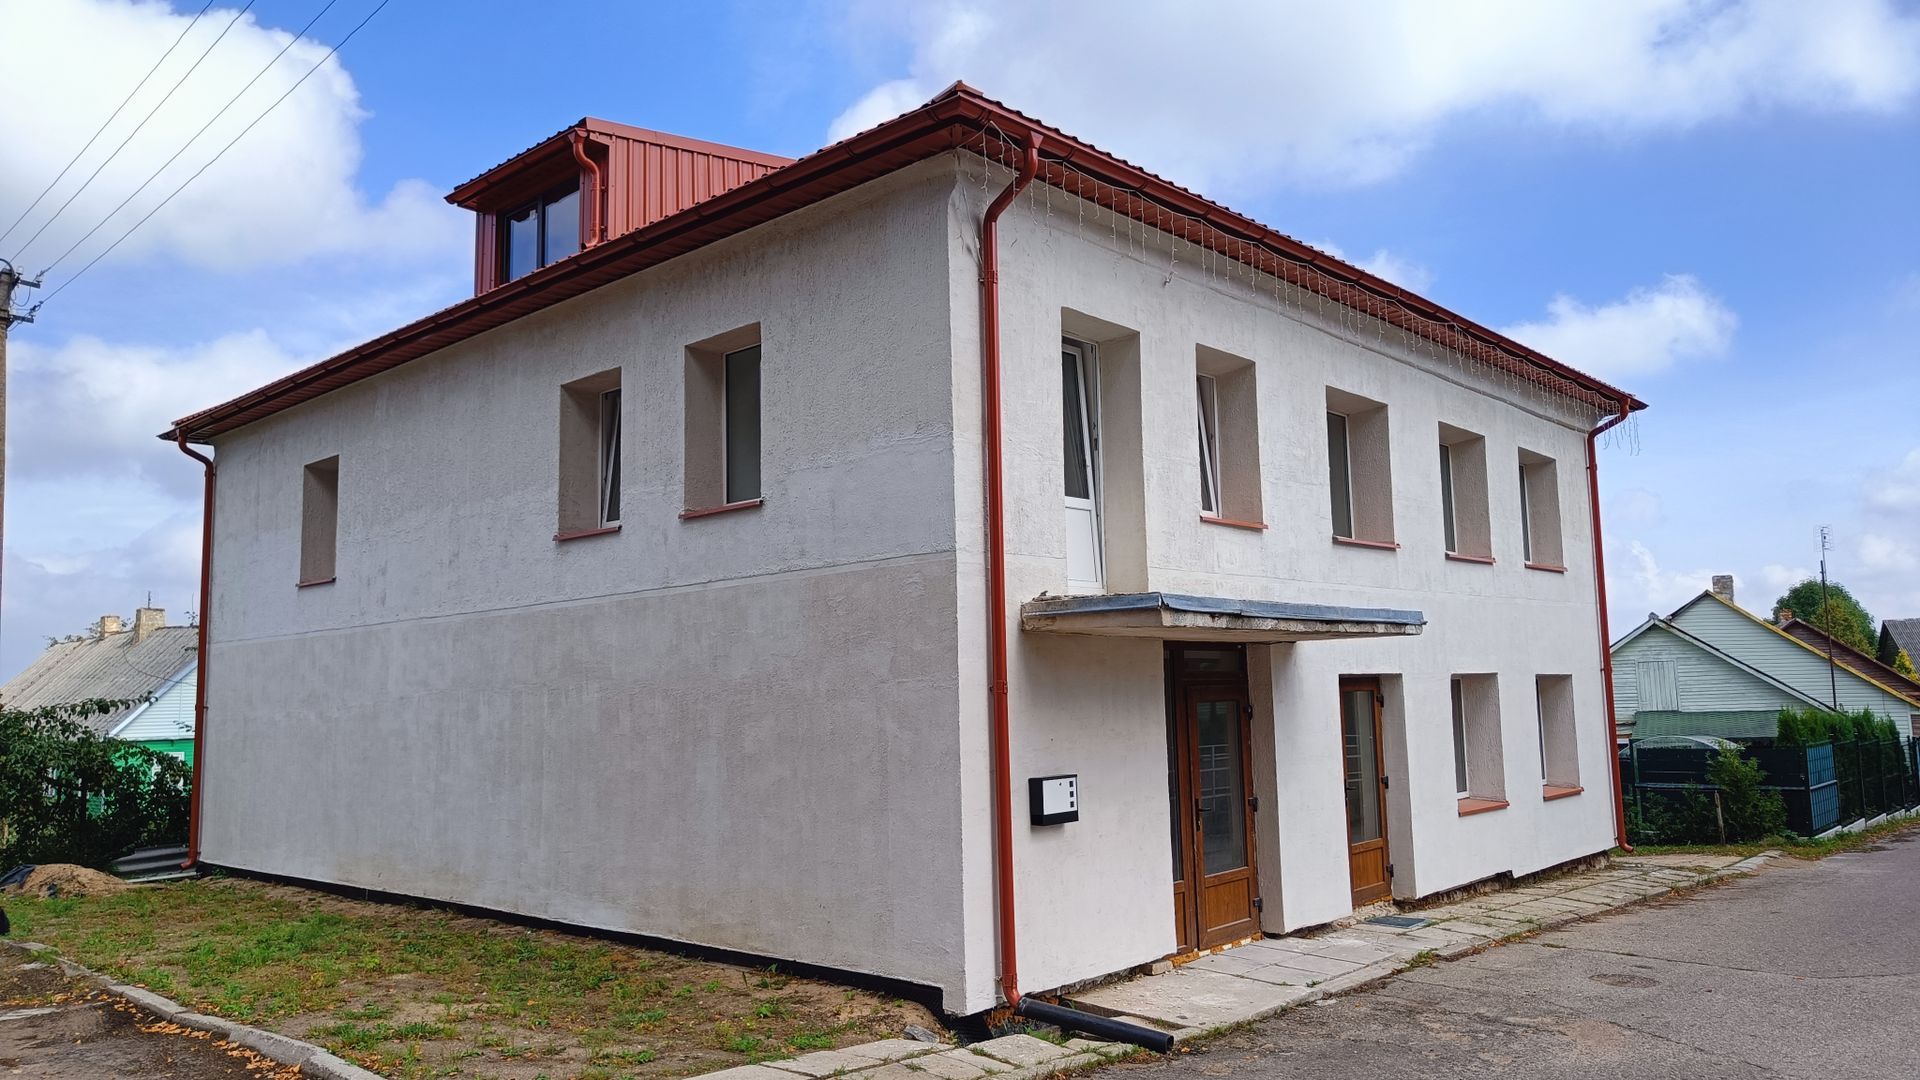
column 291, row 42
column 223, row 150
column 168, row 96
column 71, row 162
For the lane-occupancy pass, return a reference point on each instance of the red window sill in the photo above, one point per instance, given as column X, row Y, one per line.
column 1550, row 792
column 1470, row 807
column 311, row 584
column 1551, row 568
column 1458, row 557
column 582, row 534
column 1378, row 545
column 723, row 508
column 1232, row 522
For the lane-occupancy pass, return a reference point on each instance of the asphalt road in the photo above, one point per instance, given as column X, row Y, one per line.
column 1806, row 969
column 52, row 1028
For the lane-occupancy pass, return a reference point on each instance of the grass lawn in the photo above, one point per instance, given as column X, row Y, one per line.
column 417, row 992
column 1792, row 845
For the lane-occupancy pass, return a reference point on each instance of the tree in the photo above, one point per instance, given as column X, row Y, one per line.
column 69, row 794
column 1843, row 617
column 1903, row 664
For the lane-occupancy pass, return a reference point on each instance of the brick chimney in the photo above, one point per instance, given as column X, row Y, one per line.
column 1783, row 616
column 1723, row 587
column 146, row 620
column 111, row 624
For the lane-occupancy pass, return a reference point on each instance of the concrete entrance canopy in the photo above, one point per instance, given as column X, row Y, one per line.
column 1179, row 617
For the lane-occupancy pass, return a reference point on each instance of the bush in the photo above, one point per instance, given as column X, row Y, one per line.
column 69, row 794
column 1749, row 811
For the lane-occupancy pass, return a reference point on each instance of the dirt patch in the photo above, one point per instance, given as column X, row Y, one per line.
column 414, row 992
column 66, row 879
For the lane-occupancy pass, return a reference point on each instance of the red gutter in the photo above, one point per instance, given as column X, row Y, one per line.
column 1606, row 634
column 590, row 221
column 200, row 648
column 997, row 566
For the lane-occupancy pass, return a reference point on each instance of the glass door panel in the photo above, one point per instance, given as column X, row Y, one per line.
column 1222, row 788
column 1362, row 756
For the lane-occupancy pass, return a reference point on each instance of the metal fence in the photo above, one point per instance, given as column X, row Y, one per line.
column 1821, row 786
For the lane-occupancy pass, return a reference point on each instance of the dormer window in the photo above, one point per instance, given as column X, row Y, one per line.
column 541, row 232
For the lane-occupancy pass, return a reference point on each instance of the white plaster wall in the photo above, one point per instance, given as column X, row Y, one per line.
column 737, row 731
column 1096, row 895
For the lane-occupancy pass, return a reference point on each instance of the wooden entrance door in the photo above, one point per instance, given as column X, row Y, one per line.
column 1366, row 784
column 1216, row 889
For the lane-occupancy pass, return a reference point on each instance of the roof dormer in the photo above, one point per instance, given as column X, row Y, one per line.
column 589, row 183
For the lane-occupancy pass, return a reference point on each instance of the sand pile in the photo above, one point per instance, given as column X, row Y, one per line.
column 66, row 879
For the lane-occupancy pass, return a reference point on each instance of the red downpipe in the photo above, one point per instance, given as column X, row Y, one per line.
column 589, row 221
column 200, row 648
column 1606, row 635
column 997, row 566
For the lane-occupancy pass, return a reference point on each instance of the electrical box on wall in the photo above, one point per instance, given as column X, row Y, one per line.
column 1054, row 800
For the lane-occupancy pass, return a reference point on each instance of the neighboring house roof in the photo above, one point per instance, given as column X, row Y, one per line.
column 112, row 667
column 1721, row 723
column 1853, row 658
column 960, row 118
column 1897, row 636
column 1840, row 658
column 1719, row 654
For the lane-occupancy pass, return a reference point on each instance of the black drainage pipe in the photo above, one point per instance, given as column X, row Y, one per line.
column 1102, row 1027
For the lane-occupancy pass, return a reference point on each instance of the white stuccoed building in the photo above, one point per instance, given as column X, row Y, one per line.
column 652, row 588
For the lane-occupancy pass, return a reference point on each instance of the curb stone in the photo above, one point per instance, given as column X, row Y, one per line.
column 312, row 1060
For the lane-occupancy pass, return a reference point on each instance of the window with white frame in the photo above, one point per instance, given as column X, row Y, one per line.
column 723, row 425
column 1478, row 769
column 1359, row 469
column 1540, row 512
column 590, row 457
column 1462, row 783
column 1209, row 393
column 1229, row 437
column 1463, row 494
column 1559, row 750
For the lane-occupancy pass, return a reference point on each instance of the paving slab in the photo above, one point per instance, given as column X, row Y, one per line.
column 1020, row 1049
column 1190, row 999
column 823, row 1063
column 957, row 1064
column 890, row 1049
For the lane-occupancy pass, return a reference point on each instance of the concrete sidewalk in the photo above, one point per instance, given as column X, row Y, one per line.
column 1265, row 976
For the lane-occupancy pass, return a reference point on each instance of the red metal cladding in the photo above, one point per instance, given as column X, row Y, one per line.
column 650, row 177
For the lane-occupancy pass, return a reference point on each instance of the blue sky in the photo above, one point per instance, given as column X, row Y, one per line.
column 1708, row 202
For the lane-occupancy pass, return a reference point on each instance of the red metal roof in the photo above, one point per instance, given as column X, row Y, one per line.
column 960, row 117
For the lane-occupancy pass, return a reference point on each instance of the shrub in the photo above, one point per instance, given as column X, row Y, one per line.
column 1749, row 811
column 69, row 794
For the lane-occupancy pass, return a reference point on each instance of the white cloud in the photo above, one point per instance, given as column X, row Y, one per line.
column 93, row 409
column 1648, row 331
column 1230, row 91
column 285, row 193
column 1898, row 489
column 1657, row 589
column 1385, row 264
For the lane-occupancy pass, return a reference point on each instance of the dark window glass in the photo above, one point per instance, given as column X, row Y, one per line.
column 522, row 234
column 1446, row 495
column 743, row 424
column 1078, row 475
column 560, row 231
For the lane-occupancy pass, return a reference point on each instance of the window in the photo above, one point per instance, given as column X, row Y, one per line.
column 610, row 457
column 589, row 482
column 1229, row 433
column 319, row 521
column 723, row 423
column 539, row 233
column 1463, row 495
column 742, row 413
column 1540, row 512
column 1359, row 469
column 1559, row 756
column 1080, row 462
column 1209, row 445
column 1461, row 786
column 1479, row 777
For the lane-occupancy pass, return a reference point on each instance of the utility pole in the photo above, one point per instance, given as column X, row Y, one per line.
column 1826, row 616
column 9, row 280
